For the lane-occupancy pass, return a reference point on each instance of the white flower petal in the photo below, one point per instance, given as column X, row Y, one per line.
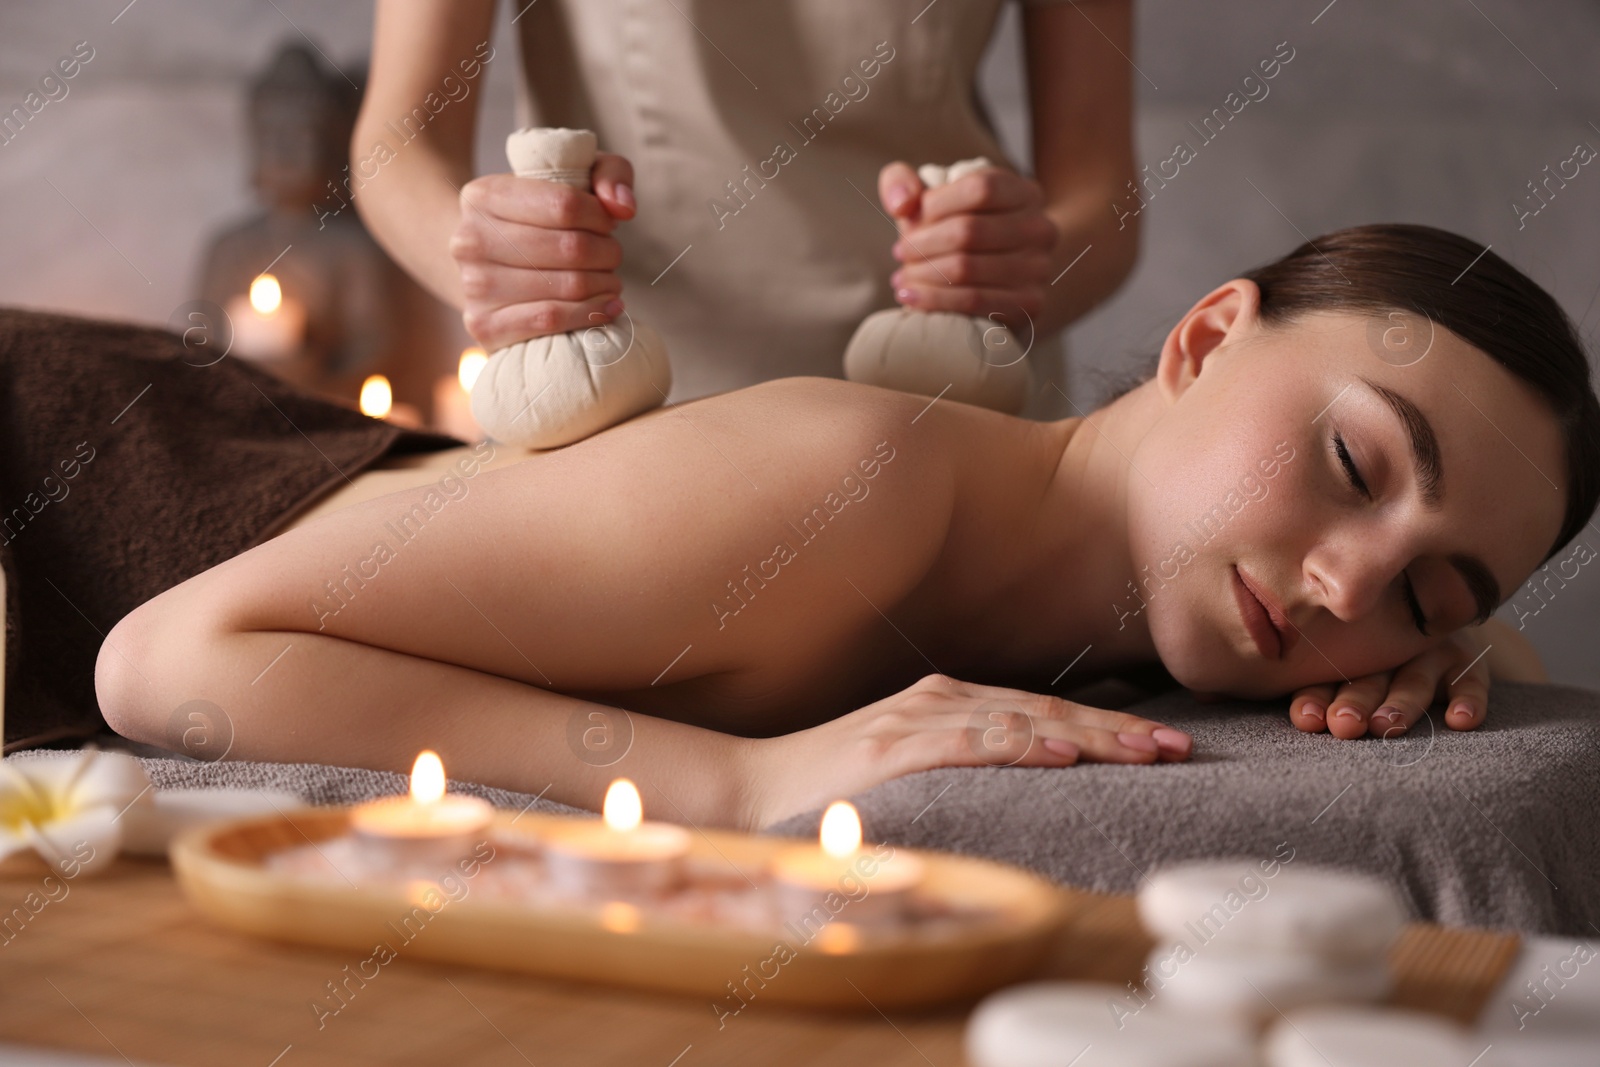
column 84, row 842
column 111, row 778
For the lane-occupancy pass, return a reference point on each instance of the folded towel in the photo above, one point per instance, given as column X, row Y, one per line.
column 1491, row 827
column 128, row 464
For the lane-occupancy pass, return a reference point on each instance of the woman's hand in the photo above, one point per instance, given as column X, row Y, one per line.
column 537, row 257
column 1390, row 703
column 943, row 722
column 980, row 245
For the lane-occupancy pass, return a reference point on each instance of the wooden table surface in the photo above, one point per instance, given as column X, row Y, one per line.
column 120, row 965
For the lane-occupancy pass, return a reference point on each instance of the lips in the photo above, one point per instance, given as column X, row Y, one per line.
column 1266, row 623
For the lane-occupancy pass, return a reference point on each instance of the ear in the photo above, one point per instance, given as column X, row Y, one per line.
column 1222, row 315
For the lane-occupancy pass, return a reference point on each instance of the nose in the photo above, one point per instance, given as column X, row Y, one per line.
column 1349, row 571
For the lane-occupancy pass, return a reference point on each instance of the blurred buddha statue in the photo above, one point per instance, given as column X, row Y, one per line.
column 310, row 296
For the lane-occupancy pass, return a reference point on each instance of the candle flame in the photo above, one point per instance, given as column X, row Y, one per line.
column 427, row 777
column 623, row 809
column 376, row 396
column 471, row 365
column 265, row 294
column 841, row 829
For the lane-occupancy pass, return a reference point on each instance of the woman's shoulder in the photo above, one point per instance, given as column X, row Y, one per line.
column 846, row 405
column 799, row 429
column 948, row 443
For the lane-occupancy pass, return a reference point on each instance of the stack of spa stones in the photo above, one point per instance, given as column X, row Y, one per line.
column 1250, row 940
column 1257, row 963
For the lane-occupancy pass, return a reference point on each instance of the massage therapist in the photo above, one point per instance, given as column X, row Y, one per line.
column 757, row 161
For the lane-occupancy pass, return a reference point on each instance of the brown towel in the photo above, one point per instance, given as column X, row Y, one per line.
column 127, row 465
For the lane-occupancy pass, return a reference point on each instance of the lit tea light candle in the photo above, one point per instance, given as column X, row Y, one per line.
column 377, row 396
column 452, row 397
column 266, row 324
column 841, row 879
column 471, row 365
column 618, row 854
column 377, row 402
column 427, row 820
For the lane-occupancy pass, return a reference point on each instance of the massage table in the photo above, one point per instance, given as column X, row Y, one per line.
column 1489, row 828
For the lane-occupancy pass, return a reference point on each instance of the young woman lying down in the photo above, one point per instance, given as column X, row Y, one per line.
column 801, row 589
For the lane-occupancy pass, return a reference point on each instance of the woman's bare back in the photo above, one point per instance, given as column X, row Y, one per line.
column 780, row 583
column 753, row 562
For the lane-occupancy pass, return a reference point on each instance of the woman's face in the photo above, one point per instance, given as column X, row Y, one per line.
column 1327, row 469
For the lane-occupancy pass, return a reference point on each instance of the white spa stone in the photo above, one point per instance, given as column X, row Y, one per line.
column 551, row 391
column 1371, row 1037
column 149, row 826
column 1233, row 906
column 1051, row 1024
column 1256, row 986
column 966, row 358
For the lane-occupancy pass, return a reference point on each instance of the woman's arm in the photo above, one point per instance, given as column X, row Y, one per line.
column 519, row 257
column 1080, row 79
column 411, row 203
column 302, row 697
column 995, row 243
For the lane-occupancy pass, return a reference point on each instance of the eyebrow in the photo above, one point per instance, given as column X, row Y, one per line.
column 1424, row 445
column 1430, row 479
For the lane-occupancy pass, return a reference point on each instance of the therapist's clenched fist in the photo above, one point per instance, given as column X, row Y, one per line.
column 980, row 245
column 537, row 257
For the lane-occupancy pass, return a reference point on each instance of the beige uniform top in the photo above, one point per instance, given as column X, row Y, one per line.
column 756, row 130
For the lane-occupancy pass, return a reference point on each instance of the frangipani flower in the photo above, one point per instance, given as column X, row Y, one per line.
column 66, row 808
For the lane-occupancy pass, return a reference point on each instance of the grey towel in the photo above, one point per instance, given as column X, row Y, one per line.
column 1494, row 827
column 1490, row 828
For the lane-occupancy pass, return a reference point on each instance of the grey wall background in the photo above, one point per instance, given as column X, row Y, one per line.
column 1433, row 111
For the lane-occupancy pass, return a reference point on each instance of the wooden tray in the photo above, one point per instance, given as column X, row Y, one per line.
column 221, row 871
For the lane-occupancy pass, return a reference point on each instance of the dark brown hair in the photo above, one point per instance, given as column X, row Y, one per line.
column 1475, row 295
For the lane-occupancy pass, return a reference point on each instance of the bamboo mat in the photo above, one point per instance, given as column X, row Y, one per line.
column 123, row 967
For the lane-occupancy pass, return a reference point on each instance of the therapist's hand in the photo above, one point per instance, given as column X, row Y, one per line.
column 537, row 257
column 980, row 245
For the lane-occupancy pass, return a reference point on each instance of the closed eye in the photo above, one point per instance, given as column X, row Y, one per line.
column 1360, row 485
column 1415, row 604
column 1349, row 465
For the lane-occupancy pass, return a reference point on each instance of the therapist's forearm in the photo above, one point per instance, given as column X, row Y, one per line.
column 411, row 207
column 1092, row 258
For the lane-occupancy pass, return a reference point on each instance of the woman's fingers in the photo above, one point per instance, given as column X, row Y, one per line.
column 993, row 189
column 1308, row 708
column 495, row 328
column 493, row 286
column 536, row 257
column 995, row 270
column 944, row 722
column 1045, row 706
column 516, row 244
column 1004, row 729
column 502, row 198
column 1410, row 692
column 980, row 265
column 612, row 178
column 1000, row 726
column 1467, row 688
column 1007, row 232
column 900, row 190
column 1354, row 704
column 1011, row 739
